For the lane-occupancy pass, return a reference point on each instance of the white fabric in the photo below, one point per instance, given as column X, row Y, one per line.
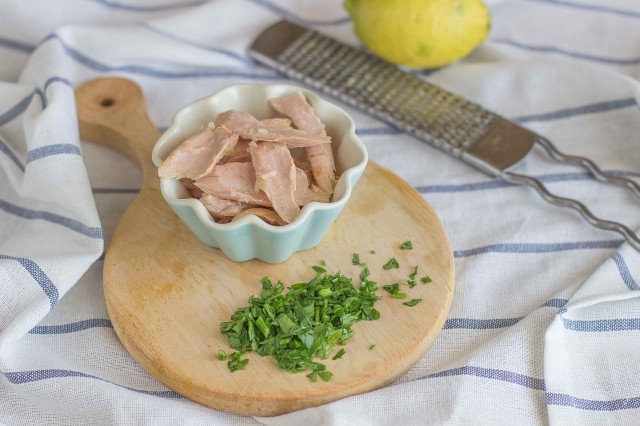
column 545, row 322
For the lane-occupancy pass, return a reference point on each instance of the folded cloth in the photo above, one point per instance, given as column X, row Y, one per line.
column 545, row 322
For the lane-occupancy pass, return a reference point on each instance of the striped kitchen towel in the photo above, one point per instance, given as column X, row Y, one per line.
column 545, row 322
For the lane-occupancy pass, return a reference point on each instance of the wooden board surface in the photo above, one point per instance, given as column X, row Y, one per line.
column 167, row 293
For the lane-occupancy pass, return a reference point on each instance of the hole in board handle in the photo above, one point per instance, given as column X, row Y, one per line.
column 107, row 102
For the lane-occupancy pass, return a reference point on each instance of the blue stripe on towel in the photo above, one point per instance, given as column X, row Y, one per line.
column 49, row 150
column 499, row 183
column 17, row 45
column 155, row 73
column 590, row 404
column 624, row 272
column 22, row 377
column 148, row 9
column 19, row 108
column 74, row 225
column 578, row 111
column 495, row 323
column 71, row 327
column 525, row 248
column 592, row 8
column 492, row 373
column 596, row 326
column 293, row 17
column 480, row 324
column 577, row 55
column 242, row 58
column 38, row 275
column 56, row 79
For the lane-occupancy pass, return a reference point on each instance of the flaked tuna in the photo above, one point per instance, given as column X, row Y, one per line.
column 320, row 157
column 278, row 121
column 268, row 215
column 198, row 155
column 276, row 177
column 233, row 181
column 220, row 208
column 304, row 194
column 194, row 191
column 248, row 127
column 239, row 154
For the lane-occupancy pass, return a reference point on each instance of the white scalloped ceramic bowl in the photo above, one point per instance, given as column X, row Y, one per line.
column 249, row 237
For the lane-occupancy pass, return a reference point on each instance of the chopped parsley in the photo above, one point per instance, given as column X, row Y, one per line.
column 399, row 295
column 364, row 274
column 339, row 355
column 236, row 363
column 304, row 322
column 325, row 375
column 412, row 276
column 406, row 246
column 411, row 282
column 392, row 288
column 372, row 347
column 372, row 252
column 412, row 302
column 318, row 269
column 356, row 259
column 426, row 279
column 392, row 263
column 222, row 355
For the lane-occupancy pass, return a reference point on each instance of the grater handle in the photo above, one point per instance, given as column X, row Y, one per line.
column 589, row 165
column 628, row 234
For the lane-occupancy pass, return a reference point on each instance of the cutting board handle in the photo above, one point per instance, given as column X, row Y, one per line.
column 112, row 112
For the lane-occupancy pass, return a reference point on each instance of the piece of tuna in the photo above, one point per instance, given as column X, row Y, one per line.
column 194, row 191
column 320, row 157
column 219, row 207
column 278, row 121
column 276, row 177
column 248, row 127
column 239, row 154
column 304, row 194
column 233, row 181
column 197, row 156
column 268, row 215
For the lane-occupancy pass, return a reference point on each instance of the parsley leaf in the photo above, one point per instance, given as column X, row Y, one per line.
column 392, row 263
column 392, row 288
column 325, row 375
column 412, row 276
column 318, row 269
column 364, row 274
column 406, row 246
column 339, row 355
column 412, row 302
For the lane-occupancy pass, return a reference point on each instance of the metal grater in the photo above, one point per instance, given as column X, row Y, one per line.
column 426, row 111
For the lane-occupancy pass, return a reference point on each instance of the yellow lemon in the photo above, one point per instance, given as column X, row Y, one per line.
column 420, row 33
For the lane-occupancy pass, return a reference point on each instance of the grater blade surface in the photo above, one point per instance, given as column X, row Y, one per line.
column 426, row 111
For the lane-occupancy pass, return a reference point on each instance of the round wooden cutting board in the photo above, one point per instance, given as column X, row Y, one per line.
column 167, row 293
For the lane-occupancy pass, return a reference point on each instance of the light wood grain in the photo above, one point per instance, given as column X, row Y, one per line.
column 167, row 293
